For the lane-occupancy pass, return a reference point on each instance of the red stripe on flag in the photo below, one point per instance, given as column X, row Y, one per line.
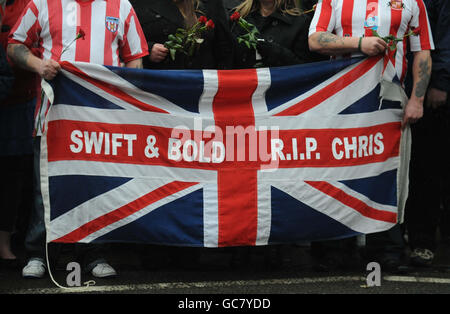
column 353, row 202
column 93, row 141
column 124, row 211
column 237, row 202
column 238, row 212
column 110, row 89
column 331, row 89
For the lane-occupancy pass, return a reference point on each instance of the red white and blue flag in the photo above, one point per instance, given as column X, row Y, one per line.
column 223, row 158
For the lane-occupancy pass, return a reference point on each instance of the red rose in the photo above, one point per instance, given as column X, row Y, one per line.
column 416, row 31
column 81, row 34
column 210, row 24
column 202, row 19
column 235, row 16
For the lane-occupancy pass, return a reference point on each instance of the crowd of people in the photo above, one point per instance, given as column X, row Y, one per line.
column 35, row 36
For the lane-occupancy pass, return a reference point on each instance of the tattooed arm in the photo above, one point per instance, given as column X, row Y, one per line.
column 23, row 58
column 421, row 76
column 330, row 44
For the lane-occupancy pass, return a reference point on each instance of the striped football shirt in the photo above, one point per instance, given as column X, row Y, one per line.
column 356, row 18
column 112, row 32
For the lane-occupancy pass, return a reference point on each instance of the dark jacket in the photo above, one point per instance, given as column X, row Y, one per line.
column 285, row 41
column 161, row 18
column 439, row 16
column 307, row 4
column 6, row 76
column 231, row 4
column 304, row 4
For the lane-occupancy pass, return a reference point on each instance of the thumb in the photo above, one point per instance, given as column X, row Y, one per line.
column 404, row 122
column 55, row 64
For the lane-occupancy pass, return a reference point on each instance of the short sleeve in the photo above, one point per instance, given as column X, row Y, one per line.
column 27, row 28
column 134, row 44
column 324, row 17
column 420, row 22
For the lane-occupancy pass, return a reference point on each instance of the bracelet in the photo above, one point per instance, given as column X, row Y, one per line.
column 359, row 44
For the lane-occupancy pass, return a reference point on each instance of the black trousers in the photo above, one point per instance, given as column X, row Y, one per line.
column 429, row 176
column 15, row 192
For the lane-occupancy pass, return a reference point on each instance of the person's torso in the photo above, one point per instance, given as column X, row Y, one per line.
column 161, row 18
column 102, row 22
column 279, row 28
column 387, row 17
column 25, row 85
column 439, row 15
column 357, row 18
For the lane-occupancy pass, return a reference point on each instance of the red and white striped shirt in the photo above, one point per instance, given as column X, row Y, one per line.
column 356, row 18
column 112, row 34
column 112, row 31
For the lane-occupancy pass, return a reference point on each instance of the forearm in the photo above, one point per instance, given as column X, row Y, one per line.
column 421, row 77
column 24, row 58
column 421, row 72
column 330, row 44
column 135, row 64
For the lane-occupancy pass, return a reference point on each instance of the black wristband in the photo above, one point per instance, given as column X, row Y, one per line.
column 359, row 44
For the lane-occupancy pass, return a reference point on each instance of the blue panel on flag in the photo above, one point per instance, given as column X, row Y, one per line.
column 72, row 93
column 371, row 102
column 293, row 221
column 388, row 104
column 183, row 88
column 67, row 192
column 179, row 222
column 381, row 189
column 368, row 103
column 288, row 83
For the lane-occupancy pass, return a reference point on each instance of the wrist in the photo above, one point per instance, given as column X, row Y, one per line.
column 360, row 44
column 36, row 65
column 418, row 101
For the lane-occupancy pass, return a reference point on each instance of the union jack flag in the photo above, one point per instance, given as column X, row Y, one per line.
column 223, row 158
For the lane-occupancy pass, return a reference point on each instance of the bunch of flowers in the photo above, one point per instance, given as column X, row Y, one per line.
column 250, row 38
column 187, row 41
column 392, row 41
